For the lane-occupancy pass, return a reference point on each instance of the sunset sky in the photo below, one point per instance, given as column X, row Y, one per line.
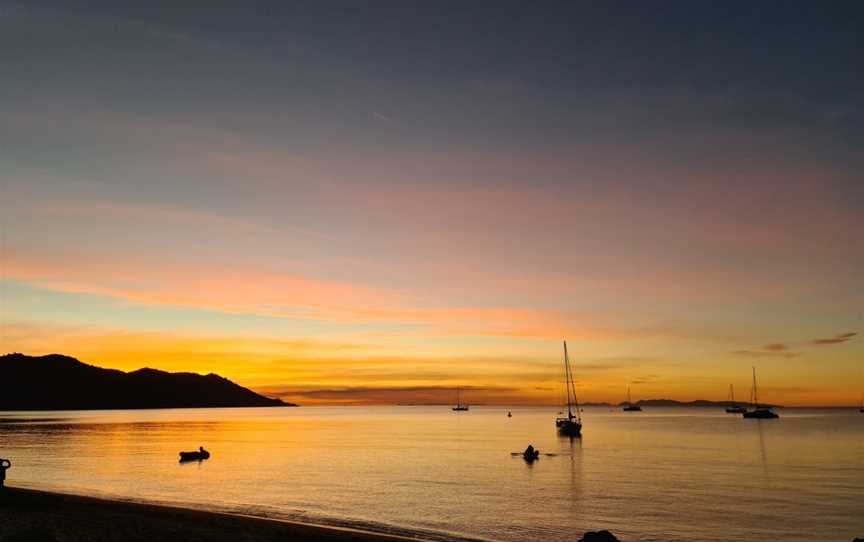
column 351, row 202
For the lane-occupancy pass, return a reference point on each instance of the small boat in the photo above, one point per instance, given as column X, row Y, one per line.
column 630, row 407
column 201, row 454
column 530, row 454
column 509, row 414
column 758, row 411
column 735, row 408
column 572, row 424
column 459, row 406
column 761, row 413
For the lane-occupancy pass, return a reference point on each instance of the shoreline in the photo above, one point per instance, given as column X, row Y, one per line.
column 44, row 516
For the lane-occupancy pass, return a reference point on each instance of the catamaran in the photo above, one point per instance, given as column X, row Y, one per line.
column 459, row 406
column 630, row 407
column 758, row 411
column 735, row 408
column 572, row 424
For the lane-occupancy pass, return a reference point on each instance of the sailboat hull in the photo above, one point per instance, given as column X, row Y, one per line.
column 568, row 427
column 761, row 414
column 633, row 408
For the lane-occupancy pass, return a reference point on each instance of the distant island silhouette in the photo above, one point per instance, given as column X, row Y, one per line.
column 674, row 403
column 57, row 382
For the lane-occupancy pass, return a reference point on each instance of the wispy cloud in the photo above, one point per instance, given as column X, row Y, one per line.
column 645, row 379
column 836, row 339
column 764, row 353
column 164, row 214
column 142, row 281
column 400, row 394
column 776, row 349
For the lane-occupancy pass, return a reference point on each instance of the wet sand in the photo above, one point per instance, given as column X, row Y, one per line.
column 35, row 516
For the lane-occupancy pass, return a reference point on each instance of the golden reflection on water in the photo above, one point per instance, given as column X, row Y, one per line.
column 429, row 470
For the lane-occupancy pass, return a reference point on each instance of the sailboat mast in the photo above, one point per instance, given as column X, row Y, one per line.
column 755, row 393
column 572, row 401
column 573, row 390
column 567, row 381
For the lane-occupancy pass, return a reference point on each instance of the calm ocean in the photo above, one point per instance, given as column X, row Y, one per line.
column 660, row 475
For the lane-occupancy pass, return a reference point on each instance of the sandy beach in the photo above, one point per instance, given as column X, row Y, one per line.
column 38, row 516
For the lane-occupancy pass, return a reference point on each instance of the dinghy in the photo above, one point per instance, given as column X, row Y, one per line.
column 195, row 456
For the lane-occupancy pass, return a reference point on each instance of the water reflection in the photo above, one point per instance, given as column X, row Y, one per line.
column 28, row 420
column 422, row 469
column 575, row 464
column 762, row 453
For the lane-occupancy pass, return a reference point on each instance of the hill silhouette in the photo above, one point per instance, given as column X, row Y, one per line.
column 57, row 382
column 673, row 403
column 696, row 403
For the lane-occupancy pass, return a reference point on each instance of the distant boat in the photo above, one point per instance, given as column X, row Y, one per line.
column 630, row 407
column 572, row 424
column 195, row 456
column 509, row 414
column 758, row 411
column 735, row 408
column 459, row 406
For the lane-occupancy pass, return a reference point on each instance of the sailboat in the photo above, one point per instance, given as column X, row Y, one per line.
column 572, row 424
column 459, row 406
column 758, row 411
column 735, row 408
column 630, row 407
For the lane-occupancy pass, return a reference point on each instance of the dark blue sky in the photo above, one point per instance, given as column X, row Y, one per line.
column 546, row 68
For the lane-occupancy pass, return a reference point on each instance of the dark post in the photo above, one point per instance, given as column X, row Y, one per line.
column 4, row 466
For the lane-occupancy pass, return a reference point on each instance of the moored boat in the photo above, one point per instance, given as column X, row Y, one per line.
column 572, row 424
column 459, row 406
column 762, row 413
column 630, row 407
column 735, row 408
column 757, row 411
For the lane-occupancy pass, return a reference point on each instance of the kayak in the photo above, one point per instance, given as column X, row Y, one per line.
column 531, row 456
